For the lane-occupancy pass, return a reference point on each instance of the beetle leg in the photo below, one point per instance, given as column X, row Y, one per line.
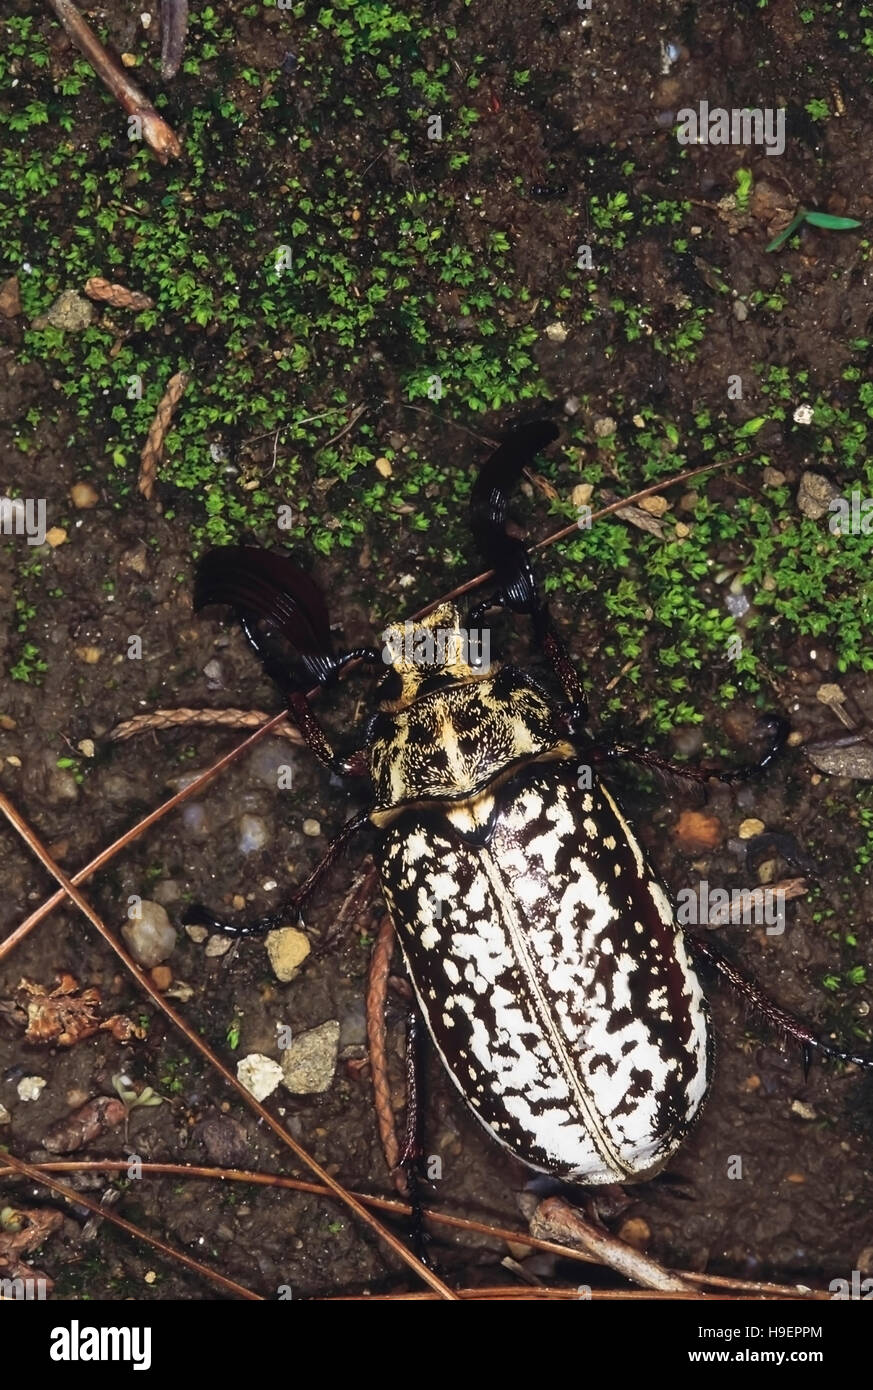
column 259, row 584
column 299, row 707
column 517, row 588
column 198, row 915
column 692, row 771
column 411, row 1153
column 778, row 1018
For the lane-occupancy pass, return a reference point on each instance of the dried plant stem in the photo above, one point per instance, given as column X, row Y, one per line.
column 154, row 446
column 556, row 1218
column 174, row 27
column 377, row 993
column 35, row 1174
column 24, row 928
column 395, row 1207
column 155, row 130
column 209, row 718
column 116, row 296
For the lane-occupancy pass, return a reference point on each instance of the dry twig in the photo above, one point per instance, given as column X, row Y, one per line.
column 155, row 130
column 393, row 1206
column 117, row 296
column 210, row 718
column 377, row 993
column 154, row 446
column 147, row 984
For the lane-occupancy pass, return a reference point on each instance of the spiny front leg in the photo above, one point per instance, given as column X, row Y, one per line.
column 260, row 585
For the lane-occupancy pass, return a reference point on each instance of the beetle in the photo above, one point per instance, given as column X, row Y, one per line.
column 544, row 954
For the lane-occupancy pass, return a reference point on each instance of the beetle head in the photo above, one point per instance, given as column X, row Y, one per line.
column 433, row 653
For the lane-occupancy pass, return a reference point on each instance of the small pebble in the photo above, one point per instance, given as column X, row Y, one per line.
column 197, row 934
column 655, row 505
column 772, row 477
column 830, row 694
column 166, row 891
column 311, row 827
column 815, row 495
column 741, row 311
column 556, row 333
column 750, row 828
column 604, row 426
column 162, row 977
column 90, row 655
column 582, row 494
column 84, row 496
column 383, row 467
column 150, row 937
column 697, row 831
column 56, row 536
column 61, row 785
column 287, row 948
column 259, row 1074
column 806, row 1112
column 254, row 834
column 195, row 821
column 803, row 415
column 30, row 1087
column 218, row 944
column 309, row 1063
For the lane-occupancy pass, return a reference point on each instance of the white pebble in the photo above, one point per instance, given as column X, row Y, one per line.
column 30, row 1087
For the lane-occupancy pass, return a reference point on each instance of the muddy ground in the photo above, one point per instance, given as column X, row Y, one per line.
column 600, row 94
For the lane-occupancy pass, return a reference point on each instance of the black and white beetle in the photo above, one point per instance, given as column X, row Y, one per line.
column 543, row 951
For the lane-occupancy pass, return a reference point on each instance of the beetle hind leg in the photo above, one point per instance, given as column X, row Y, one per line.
column 783, row 1023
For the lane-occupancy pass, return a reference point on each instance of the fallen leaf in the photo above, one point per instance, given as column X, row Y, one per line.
column 85, row 1125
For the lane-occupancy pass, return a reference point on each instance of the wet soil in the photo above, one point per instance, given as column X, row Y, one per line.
column 798, row 1207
